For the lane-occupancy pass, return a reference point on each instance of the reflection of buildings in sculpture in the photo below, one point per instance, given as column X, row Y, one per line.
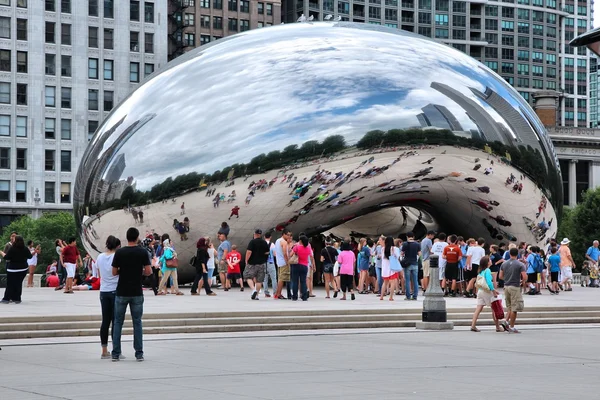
column 515, row 119
column 107, row 157
column 438, row 116
column 489, row 129
column 116, row 169
column 112, row 190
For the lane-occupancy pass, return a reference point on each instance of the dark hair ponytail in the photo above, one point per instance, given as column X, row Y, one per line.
column 304, row 240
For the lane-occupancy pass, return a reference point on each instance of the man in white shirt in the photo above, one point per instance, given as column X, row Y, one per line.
column 438, row 249
column 474, row 254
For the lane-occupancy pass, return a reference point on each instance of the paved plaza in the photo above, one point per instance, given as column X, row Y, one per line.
column 539, row 363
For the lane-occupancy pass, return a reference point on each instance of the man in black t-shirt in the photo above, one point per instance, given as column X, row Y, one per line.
column 130, row 263
column 257, row 254
column 411, row 251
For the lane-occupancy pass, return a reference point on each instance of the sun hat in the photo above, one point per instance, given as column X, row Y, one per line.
column 565, row 241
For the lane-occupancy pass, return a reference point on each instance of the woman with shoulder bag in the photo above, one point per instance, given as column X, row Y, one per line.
column 328, row 258
column 485, row 293
column 390, row 268
column 169, row 262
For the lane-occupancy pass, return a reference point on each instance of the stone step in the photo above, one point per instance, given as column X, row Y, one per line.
column 300, row 319
column 282, row 327
column 277, row 313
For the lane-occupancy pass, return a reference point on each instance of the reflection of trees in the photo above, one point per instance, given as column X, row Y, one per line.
column 525, row 159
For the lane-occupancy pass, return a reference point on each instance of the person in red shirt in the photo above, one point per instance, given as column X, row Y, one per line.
column 233, row 269
column 52, row 280
column 452, row 254
column 70, row 258
column 235, row 211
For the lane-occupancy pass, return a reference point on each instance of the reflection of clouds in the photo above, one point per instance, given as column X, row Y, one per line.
column 267, row 89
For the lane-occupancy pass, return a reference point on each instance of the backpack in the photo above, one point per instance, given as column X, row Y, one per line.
column 538, row 264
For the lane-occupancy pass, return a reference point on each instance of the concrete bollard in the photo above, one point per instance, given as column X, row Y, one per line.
column 434, row 315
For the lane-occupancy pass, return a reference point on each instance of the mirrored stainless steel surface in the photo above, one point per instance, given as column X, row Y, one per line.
column 388, row 131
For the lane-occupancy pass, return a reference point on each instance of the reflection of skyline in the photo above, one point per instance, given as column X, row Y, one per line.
column 438, row 116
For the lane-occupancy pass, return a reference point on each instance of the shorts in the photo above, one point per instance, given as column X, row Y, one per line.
column 452, row 271
column 554, row 276
column 222, row 267
column 284, row 273
column 70, row 268
column 234, row 277
column 328, row 268
column 485, row 298
column 513, row 298
column 472, row 274
column 391, row 277
column 362, row 267
column 532, row 278
column 426, row 268
column 442, row 271
column 255, row 271
column 461, row 275
column 567, row 273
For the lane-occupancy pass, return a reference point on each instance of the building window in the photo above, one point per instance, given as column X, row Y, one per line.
column 205, row 3
column 441, row 19
column 149, row 42
column 217, row 23
column 65, row 161
column 134, row 10
column 148, row 69
column 93, row 68
column 4, row 157
column 205, row 21
column 21, row 130
column 232, row 5
column 65, row 192
column 50, row 95
column 65, row 129
column 244, row 6
column 49, row 161
column 93, row 8
column 50, row 5
column 134, row 41
column 189, row 39
column 65, row 65
column 188, row 19
column 244, row 25
column 50, row 32
column 5, row 60
column 22, row 61
column 4, row 125
column 92, row 126
column 5, row 27
column 93, row 99
column 108, row 100
column 233, row 24
column 21, row 94
column 218, row 4
column 441, row 33
column 109, row 9
column 50, row 128
column 65, row 34
column 21, row 191
column 49, row 192
column 22, row 3
column 108, row 69
column 149, row 12
column 65, row 97
column 4, row 92
column 108, row 39
column 93, row 37
column 4, row 190
column 50, row 64
column 21, row 29
column 270, row 9
column 134, row 72
column 21, row 158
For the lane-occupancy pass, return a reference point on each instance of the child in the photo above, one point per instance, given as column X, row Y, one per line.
column 233, row 270
column 235, row 211
column 554, row 267
column 593, row 276
column 585, row 274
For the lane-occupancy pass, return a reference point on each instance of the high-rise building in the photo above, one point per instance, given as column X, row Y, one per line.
column 194, row 23
column 525, row 41
column 64, row 64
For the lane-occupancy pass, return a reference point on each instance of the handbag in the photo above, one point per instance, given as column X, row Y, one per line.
column 336, row 269
column 497, row 308
column 395, row 264
column 481, row 284
column 293, row 259
column 173, row 262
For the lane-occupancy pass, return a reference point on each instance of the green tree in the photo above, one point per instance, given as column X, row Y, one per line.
column 580, row 225
column 43, row 231
column 333, row 144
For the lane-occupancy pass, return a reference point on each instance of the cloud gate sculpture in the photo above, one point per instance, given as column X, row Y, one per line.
column 329, row 129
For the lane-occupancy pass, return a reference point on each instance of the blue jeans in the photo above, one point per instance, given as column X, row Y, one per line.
column 379, row 278
column 107, row 303
column 298, row 273
column 136, row 307
column 271, row 272
column 411, row 274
